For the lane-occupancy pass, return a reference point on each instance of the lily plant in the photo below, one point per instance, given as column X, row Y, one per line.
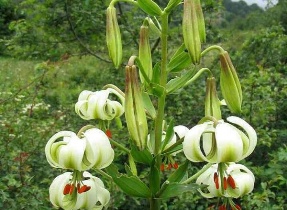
column 151, row 141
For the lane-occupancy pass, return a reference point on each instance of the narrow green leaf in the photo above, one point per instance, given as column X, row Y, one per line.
column 148, row 105
column 180, row 60
column 176, row 189
column 141, row 156
column 169, row 135
column 179, row 82
column 132, row 186
column 153, row 178
column 178, row 175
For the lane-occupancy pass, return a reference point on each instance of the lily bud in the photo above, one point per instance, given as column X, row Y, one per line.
column 87, row 187
column 134, row 108
column 145, row 52
column 236, row 181
column 149, row 7
column 113, row 36
column 155, row 31
column 212, row 103
column 218, row 143
column 92, row 151
column 230, row 85
column 193, row 28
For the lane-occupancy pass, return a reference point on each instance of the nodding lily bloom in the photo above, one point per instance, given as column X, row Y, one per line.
column 179, row 132
column 220, row 142
column 97, row 105
column 227, row 180
column 78, row 190
column 66, row 150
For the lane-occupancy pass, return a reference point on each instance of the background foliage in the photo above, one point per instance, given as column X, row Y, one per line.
column 52, row 50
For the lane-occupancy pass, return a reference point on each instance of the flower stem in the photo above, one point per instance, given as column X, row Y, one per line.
column 154, row 202
column 190, row 179
column 123, row 148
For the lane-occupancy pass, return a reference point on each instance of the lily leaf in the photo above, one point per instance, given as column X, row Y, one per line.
column 141, row 156
column 148, row 105
column 178, row 175
column 169, row 134
column 179, row 82
column 132, row 186
column 176, row 189
column 153, row 177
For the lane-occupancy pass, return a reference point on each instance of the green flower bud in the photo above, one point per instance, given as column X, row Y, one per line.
column 230, row 85
column 149, row 7
column 145, row 52
column 113, row 36
column 134, row 109
column 193, row 28
column 212, row 103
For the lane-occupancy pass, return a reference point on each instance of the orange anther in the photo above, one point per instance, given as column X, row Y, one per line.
column 175, row 165
column 84, row 188
column 231, row 182
column 109, row 133
column 224, row 183
column 215, row 179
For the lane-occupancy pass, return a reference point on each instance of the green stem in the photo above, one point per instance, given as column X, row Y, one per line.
column 121, row 147
column 190, row 179
column 154, row 202
column 213, row 47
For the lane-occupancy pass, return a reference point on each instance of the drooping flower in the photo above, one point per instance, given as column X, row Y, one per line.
column 231, row 180
column 220, row 142
column 78, row 190
column 97, row 105
column 93, row 150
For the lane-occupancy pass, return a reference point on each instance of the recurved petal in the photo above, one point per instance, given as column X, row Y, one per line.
column 229, row 146
column 98, row 148
column 71, row 156
column 191, row 143
column 180, row 130
column 57, row 187
column 250, row 132
column 52, row 148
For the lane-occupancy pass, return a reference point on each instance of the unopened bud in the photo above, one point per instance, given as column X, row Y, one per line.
column 134, row 108
column 193, row 28
column 230, row 85
column 149, row 7
column 212, row 103
column 145, row 52
column 113, row 36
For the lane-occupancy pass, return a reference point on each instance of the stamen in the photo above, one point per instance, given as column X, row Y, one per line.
column 215, row 179
column 175, row 165
column 169, row 166
column 236, row 207
column 83, row 189
column 224, row 183
column 162, row 167
column 222, row 207
column 68, row 189
column 231, row 182
column 109, row 133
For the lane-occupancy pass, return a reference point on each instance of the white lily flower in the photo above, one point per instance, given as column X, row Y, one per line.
column 179, row 132
column 97, row 105
column 235, row 181
column 70, row 193
column 92, row 151
column 222, row 142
